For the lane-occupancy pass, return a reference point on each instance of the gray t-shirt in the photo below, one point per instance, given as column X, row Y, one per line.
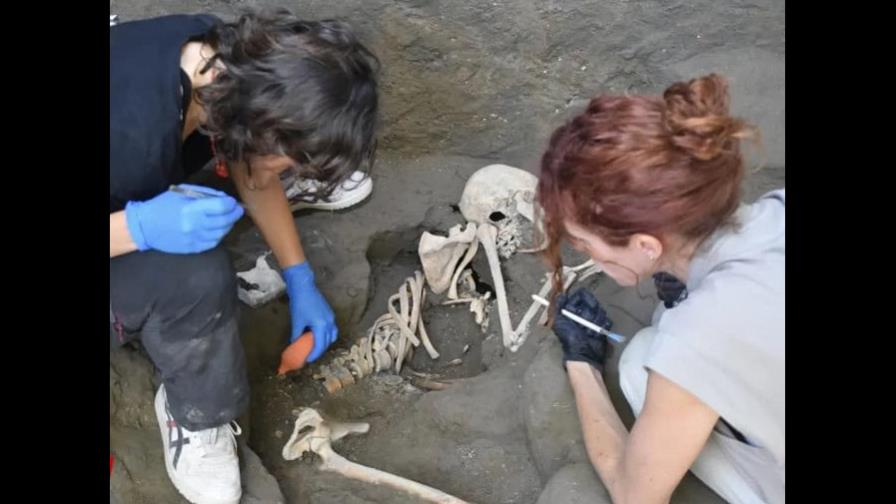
column 725, row 342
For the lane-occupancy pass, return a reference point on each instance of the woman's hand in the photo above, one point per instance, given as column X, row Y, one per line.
column 580, row 343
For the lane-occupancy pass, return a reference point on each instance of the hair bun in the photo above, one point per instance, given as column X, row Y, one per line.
column 697, row 117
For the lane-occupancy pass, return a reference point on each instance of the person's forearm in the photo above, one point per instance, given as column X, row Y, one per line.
column 120, row 241
column 269, row 210
column 604, row 433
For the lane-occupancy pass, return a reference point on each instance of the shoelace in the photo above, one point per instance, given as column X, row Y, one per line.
column 297, row 185
column 209, row 438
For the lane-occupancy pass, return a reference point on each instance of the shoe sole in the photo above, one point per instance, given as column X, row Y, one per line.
column 360, row 194
column 161, row 419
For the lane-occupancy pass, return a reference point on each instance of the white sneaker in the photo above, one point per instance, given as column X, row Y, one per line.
column 355, row 189
column 203, row 465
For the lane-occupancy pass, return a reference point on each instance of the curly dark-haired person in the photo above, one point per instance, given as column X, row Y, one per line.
column 285, row 107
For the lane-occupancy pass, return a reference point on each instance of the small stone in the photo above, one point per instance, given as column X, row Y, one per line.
column 392, row 380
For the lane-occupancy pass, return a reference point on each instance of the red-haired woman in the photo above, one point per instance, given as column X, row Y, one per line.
column 650, row 186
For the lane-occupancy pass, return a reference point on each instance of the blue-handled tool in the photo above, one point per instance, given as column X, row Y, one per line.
column 586, row 323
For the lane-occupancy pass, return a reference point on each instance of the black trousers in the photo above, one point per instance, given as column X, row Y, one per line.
column 183, row 309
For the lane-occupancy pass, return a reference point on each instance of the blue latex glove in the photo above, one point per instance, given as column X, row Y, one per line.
column 580, row 343
column 309, row 309
column 179, row 224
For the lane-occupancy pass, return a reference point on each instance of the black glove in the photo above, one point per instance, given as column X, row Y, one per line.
column 580, row 343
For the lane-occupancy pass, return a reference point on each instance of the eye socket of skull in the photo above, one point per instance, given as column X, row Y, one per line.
column 496, row 216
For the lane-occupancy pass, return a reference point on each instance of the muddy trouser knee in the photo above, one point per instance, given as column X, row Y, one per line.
column 183, row 309
column 713, row 466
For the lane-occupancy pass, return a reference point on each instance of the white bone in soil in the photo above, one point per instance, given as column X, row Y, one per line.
column 478, row 302
column 419, row 303
column 312, row 434
column 503, row 196
column 523, row 328
column 570, row 275
column 468, row 257
column 389, row 342
column 521, row 333
column 498, row 188
column 486, row 234
column 439, row 254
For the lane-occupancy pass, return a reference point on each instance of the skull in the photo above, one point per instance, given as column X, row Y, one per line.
column 504, row 196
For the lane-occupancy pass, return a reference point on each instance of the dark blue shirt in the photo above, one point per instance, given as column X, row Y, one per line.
column 148, row 98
